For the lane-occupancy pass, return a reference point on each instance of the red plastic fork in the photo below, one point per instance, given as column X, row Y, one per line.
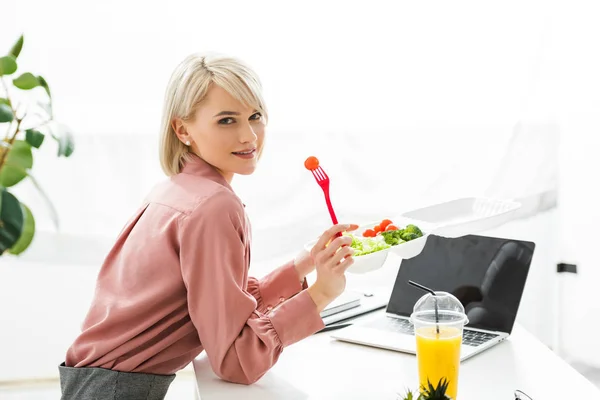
column 323, row 181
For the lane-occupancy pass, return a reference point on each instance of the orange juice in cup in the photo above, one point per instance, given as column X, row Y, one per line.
column 439, row 322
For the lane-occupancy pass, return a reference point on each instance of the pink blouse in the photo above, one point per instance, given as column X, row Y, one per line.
column 176, row 283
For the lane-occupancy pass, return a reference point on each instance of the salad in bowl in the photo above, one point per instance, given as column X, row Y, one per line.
column 373, row 242
column 382, row 236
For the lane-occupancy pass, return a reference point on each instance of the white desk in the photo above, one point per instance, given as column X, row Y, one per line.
column 320, row 367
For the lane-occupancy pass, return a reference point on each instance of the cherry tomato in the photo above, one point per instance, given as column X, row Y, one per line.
column 377, row 228
column 391, row 228
column 311, row 163
column 384, row 224
column 369, row 233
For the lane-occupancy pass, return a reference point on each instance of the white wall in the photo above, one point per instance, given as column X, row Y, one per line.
column 580, row 165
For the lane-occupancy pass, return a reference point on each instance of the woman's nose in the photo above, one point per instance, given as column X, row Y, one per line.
column 248, row 135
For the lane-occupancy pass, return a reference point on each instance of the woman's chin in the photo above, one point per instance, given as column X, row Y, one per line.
column 241, row 166
column 247, row 167
column 246, row 171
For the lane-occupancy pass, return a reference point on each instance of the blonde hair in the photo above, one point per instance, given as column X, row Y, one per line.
column 188, row 86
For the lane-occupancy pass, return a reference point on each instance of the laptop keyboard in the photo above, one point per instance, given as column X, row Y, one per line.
column 476, row 338
column 470, row 338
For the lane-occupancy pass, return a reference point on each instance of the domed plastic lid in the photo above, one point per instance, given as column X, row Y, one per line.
column 443, row 308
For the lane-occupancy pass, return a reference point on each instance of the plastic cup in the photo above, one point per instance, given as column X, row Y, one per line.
column 439, row 322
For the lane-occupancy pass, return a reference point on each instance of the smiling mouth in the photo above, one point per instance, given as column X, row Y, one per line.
column 245, row 152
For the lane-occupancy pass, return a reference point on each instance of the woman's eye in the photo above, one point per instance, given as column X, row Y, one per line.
column 256, row 116
column 226, row 121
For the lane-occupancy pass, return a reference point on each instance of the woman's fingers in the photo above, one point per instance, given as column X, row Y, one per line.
column 344, row 265
column 324, row 255
column 330, row 234
column 344, row 252
column 336, row 244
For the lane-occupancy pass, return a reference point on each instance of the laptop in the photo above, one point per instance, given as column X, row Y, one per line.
column 486, row 274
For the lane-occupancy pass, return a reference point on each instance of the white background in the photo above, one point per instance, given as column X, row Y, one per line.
column 405, row 104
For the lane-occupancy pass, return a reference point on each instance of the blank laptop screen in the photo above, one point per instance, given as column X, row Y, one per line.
column 486, row 274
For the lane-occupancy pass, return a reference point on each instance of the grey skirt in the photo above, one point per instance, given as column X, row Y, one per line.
column 106, row 384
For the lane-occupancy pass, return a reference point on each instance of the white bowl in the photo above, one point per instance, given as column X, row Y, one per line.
column 374, row 261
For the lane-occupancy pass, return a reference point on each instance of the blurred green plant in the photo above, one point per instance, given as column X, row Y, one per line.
column 26, row 117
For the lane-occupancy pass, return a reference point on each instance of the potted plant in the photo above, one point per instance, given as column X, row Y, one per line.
column 430, row 392
column 26, row 119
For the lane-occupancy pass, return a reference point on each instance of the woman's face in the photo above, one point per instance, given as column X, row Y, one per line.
column 224, row 133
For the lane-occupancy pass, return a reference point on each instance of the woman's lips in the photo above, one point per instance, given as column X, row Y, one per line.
column 245, row 154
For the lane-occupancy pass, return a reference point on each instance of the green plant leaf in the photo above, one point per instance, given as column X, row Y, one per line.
column 26, row 81
column 66, row 144
column 42, row 193
column 11, row 220
column 34, row 137
column 6, row 114
column 27, row 233
column 64, row 137
column 44, row 84
column 18, row 160
column 17, row 47
column 8, row 65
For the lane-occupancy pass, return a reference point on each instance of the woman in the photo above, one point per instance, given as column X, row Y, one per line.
column 176, row 281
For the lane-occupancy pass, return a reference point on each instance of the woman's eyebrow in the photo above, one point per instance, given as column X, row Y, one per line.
column 222, row 113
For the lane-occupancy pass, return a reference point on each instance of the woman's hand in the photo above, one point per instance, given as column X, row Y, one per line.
column 332, row 256
column 304, row 261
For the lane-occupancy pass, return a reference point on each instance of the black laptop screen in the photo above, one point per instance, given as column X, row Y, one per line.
column 486, row 274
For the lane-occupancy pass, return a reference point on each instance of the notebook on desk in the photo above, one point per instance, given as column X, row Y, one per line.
column 345, row 302
column 351, row 304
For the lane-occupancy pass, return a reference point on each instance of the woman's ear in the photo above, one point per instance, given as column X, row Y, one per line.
column 179, row 127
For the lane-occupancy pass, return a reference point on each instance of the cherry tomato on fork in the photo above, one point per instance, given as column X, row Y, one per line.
column 311, row 163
